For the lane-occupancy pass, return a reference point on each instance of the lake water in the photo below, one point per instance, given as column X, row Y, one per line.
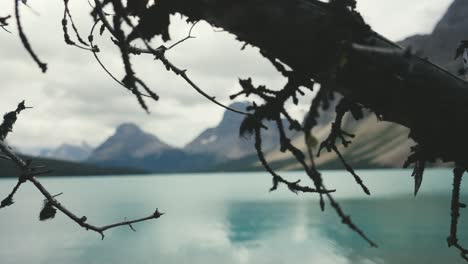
column 232, row 218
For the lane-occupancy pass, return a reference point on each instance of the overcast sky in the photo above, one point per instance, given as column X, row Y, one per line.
column 76, row 101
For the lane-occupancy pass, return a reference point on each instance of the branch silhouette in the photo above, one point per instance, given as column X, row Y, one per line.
column 29, row 173
column 332, row 46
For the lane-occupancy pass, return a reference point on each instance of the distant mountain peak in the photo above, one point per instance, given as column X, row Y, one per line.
column 239, row 105
column 128, row 128
column 223, row 141
column 68, row 152
column 129, row 141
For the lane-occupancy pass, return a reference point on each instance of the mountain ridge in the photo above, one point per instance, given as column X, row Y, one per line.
column 130, row 146
column 68, row 152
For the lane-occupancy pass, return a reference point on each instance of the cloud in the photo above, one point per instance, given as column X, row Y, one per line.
column 77, row 101
column 398, row 19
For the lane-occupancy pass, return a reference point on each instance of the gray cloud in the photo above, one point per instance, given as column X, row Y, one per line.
column 77, row 101
column 398, row 19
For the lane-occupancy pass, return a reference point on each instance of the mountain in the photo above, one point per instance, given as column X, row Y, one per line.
column 379, row 144
column 224, row 142
column 131, row 147
column 68, row 152
column 128, row 141
column 439, row 46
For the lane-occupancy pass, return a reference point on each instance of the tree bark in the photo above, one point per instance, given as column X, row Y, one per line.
column 333, row 46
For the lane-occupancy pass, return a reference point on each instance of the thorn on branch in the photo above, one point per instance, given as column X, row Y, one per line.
column 157, row 214
column 419, row 157
column 4, row 23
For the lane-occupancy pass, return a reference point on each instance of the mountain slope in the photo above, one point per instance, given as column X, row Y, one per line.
column 224, row 142
column 440, row 45
column 377, row 145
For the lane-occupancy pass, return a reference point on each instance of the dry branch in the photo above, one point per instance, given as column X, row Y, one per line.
column 29, row 173
column 326, row 43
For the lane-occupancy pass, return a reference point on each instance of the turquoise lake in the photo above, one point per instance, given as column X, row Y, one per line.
column 232, row 218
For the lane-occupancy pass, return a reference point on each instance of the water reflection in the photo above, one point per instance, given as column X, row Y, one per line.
column 227, row 223
column 249, row 221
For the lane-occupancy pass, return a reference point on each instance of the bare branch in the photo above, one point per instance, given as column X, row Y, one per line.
column 81, row 221
column 95, row 50
column 29, row 173
column 25, row 40
column 452, row 240
column 336, row 132
column 293, row 186
column 160, row 55
column 189, row 36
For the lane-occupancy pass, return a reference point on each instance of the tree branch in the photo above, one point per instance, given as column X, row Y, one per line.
column 29, row 173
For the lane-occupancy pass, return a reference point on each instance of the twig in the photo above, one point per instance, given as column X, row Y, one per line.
column 336, row 132
column 82, row 220
column 346, row 219
column 95, row 50
column 4, row 23
column 293, row 186
column 25, row 41
column 189, row 36
column 9, row 199
column 456, row 205
column 160, row 55
column 29, row 173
